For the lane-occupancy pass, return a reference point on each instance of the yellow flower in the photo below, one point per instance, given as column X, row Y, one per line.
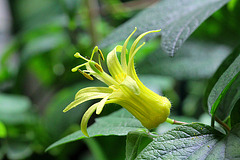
column 124, row 87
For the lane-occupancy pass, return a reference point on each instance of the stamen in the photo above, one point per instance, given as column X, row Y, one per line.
column 77, row 67
column 113, row 87
column 117, row 78
column 120, row 77
column 98, row 67
column 94, row 50
column 78, row 55
column 86, row 75
column 123, row 76
column 101, row 55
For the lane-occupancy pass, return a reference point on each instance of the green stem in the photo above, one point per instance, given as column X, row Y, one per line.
column 172, row 121
column 169, row 120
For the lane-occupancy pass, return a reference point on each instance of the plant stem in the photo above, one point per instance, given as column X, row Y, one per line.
column 93, row 14
column 172, row 121
column 223, row 124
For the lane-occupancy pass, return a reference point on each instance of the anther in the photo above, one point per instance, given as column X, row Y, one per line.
column 77, row 55
column 75, row 69
column 85, row 75
column 101, row 55
column 79, row 66
column 98, row 67
column 94, row 51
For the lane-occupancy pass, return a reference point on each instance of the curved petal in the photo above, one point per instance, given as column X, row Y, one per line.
column 91, row 90
column 134, row 45
column 101, row 105
column 124, row 49
column 131, row 69
column 86, row 117
column 85, row 97
column 113, row 63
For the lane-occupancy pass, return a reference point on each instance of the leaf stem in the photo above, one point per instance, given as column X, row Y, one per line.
column 223, row 124
column 172, row 121
column 212, row 120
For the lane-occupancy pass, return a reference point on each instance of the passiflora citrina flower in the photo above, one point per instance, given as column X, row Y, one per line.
column 124, row 87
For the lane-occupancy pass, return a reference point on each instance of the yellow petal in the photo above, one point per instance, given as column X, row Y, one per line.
column 83, row 97
column 134, row 45
column 130, row 84
column 86, row 117
column 149, row 111
column 101, row 105
column 131, row 69
column 113, row 63
column 124, row 49
column 90, row 90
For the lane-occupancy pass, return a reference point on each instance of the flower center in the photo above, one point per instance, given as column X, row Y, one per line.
column 120, row 77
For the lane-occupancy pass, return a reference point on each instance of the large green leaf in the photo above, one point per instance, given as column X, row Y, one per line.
column 18, row 150
column 136, row 142
column 156, row 82
column 133, row 141
column 194, row 141
column 235, row 118
column 177, row 19
column 226, row 91
column 14, row 109
column 118, row 123
column 221, row 69
column 196, row 59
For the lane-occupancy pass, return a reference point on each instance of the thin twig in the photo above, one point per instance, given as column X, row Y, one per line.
column 179, row 122
column 125, row 7
column 93, row 13
column 173, row 121
column 223, row 124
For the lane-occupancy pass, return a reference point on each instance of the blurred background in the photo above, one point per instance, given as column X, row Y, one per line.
column 37, row 42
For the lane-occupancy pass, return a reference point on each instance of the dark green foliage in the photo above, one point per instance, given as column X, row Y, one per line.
column 194, row 141
column 198, row 41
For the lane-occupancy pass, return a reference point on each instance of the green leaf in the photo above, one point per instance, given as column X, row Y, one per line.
column 132, row 144
column 156, row 82
column 136, row 142
column 43, row 44
column 221, row 69
column 118, row 123
column 14, row 109
column 206, row 57
column 193, row 141
column 177, row 19
column 235, row 118
column 3, row 130
column 226, row 91
column 18, row 150
column 8, row 66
